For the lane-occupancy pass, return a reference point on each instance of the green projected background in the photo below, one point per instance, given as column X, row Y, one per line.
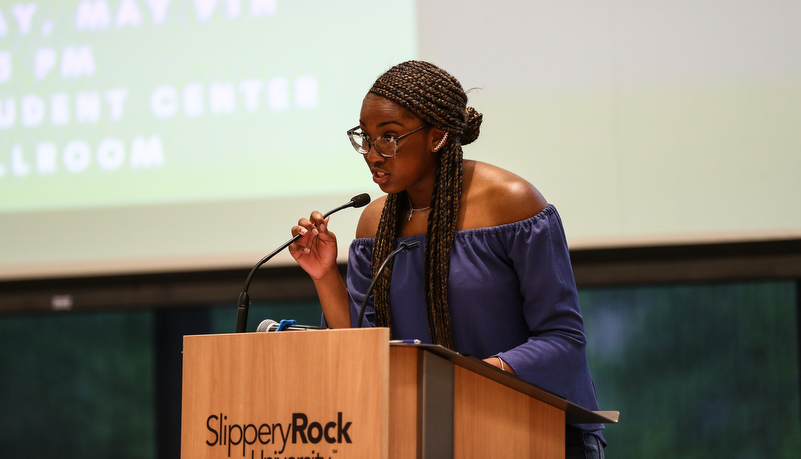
column 110, row 103
column 177, row 135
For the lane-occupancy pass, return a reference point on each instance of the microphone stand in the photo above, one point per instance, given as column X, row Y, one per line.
column 404, row 246
column 243, row 304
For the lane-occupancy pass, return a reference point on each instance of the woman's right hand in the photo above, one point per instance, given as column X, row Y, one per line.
column 316, row 249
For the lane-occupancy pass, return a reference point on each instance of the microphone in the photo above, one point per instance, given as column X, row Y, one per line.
column 402, row 247
column 244, row 299
column 269, row 325
column 355, row 202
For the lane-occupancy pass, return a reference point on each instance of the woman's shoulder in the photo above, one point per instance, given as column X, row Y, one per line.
column 493, row 196
column 371, row 216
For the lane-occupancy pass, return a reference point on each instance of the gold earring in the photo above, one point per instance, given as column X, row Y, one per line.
column 441, row 142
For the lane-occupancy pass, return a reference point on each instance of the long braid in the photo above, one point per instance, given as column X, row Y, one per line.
column 437, row 98
column 384, row 242
column 440, row 233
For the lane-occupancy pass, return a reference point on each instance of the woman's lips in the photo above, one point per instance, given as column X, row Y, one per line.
column 379, row 177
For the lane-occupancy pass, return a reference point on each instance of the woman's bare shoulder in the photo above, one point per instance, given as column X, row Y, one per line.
column 371, row 216
column 496, row 196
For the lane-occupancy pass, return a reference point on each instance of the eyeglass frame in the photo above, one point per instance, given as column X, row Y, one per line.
column 371, row 143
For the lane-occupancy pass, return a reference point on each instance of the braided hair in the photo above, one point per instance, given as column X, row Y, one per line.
column 437, row 98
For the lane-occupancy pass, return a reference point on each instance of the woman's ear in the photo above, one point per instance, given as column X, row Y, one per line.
column 438, row 140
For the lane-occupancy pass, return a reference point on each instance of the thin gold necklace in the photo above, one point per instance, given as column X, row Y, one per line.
column 412, row 210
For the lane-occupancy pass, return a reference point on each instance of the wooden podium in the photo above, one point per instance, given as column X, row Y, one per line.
column 349, row 393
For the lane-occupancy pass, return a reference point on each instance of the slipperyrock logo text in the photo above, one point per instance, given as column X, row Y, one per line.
column 272, row 438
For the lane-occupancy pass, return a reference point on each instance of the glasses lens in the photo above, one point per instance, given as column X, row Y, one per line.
column 359, row 142
column 387, row 146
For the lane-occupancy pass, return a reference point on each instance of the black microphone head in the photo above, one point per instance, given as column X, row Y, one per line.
column 410, row 244
column 266, row 324
column 360, row 200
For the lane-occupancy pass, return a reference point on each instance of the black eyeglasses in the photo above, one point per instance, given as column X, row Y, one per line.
column 386, row 146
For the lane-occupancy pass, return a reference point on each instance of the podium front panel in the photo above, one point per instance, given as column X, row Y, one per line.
column 492, row 420
column 320, row 393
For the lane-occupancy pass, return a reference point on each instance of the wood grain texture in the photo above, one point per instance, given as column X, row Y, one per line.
column 403, row 406
column 495, row 421
column 264, row 382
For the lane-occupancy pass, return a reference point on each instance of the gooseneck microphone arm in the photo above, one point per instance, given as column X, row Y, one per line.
column 404, row 246
column 243, row 303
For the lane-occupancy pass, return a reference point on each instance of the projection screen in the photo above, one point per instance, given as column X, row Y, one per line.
column 148, row 136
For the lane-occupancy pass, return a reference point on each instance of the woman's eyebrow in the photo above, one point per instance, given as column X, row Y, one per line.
column 385, row 123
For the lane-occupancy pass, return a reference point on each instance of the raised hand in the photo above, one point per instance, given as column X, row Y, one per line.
column 316, row 250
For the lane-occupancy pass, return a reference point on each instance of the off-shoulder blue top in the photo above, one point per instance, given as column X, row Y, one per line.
column 511, row 294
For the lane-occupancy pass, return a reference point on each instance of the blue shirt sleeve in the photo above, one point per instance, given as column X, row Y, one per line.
column 554, row 354
column 360, row 256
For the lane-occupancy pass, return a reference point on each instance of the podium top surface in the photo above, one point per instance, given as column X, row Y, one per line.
column 574, row 414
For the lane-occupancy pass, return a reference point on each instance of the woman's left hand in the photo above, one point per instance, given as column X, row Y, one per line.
column 498, row 363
